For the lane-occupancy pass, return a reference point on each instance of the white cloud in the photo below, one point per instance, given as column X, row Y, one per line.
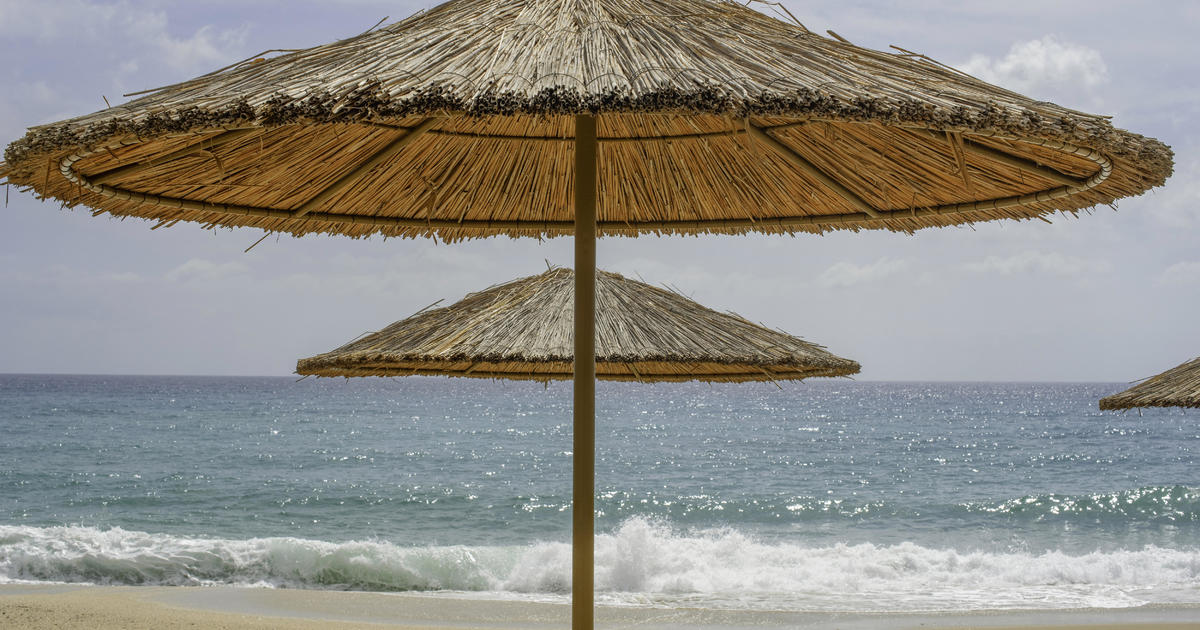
column 1039, row 262
column 64, row 55
column 34, row 103
column 1177, row 205
column 1186, row 272
column 845, row 274
column 1045, row 68
column 200, row 270
column 67, row 277
column 206, row 49
column 139, row 36
column 39, row 92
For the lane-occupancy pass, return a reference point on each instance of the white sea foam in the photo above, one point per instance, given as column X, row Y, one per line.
column 644, row 562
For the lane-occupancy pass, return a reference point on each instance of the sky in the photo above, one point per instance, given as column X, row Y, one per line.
column 1109, row 296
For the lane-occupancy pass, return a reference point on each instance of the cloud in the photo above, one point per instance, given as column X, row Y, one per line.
column 122, row 277
column 1186, row 272
column 137, row 37
column 207, row 48
column 39, row 93
column 1177, row 205
column 200, row 270
column 64, row 55
column 845, row 274
column 1039, row 262
column 1044, row 68
column 27, row 103
column 66, row 277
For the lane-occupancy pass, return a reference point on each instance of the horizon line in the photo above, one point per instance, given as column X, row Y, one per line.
column 298, row 377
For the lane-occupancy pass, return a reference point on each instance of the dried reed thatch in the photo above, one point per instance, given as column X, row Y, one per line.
column 457, row 122
column 523, row 330
column 1177, row 387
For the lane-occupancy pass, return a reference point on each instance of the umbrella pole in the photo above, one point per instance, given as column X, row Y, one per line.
column 583, row 504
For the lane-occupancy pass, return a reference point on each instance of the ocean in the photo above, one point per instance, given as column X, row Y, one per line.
column 828, row 495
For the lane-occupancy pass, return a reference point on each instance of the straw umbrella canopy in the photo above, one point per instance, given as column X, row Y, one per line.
column 522, row 330
column 459, row 122
column 1177, row 387
column 586, row 117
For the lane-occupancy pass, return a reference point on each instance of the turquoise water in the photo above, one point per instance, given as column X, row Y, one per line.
column 827, row 495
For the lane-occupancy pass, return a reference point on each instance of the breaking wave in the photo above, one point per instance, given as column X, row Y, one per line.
column 643, row 562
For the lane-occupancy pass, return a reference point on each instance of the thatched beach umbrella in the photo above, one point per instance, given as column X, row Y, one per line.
column 523, row 329
column 1177, row 387
column 540, row 118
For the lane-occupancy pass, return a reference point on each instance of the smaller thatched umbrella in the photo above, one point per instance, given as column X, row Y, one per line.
column 1177, row 387
column 524, row 329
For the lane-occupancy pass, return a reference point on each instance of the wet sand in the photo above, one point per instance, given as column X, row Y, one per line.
column 70, row 607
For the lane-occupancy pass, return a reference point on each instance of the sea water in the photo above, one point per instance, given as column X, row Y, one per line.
column 828, row 495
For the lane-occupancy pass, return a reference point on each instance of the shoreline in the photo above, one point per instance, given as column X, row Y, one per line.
column 71, row 606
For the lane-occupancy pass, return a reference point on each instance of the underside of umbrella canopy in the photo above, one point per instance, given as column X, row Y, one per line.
column 1177, row 387
column 459, row 122
column 524, row 330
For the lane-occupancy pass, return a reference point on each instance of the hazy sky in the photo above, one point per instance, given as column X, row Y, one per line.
column 1110, row 296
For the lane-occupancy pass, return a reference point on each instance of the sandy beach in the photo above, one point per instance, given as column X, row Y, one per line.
column 68, row 607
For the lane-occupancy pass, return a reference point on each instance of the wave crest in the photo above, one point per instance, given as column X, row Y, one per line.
column 643, row 562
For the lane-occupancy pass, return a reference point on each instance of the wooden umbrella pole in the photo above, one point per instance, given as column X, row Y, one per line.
column 583, row 506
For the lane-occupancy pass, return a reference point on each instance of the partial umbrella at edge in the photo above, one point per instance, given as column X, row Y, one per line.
column 523, row 330
column 1177, row 387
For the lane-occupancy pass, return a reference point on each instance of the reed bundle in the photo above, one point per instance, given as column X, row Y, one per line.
column 1177, row 387
column 523, row 330
column 457, row 122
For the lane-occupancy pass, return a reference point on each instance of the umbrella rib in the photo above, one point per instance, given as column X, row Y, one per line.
column 800, row 162
column 570, row 139
column 207, row 144
column 380, row 157
column 1009, row 159
column 960, row 158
